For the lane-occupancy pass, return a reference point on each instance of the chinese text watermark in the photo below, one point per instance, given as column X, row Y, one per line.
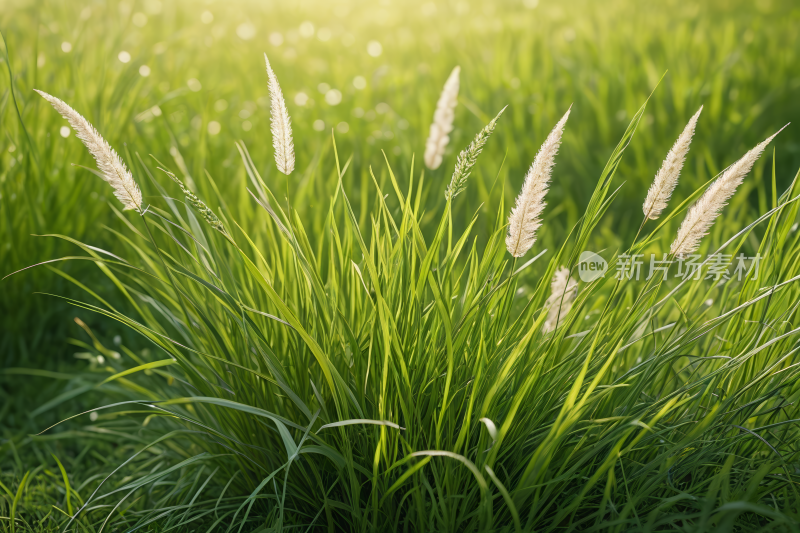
column 717, row 267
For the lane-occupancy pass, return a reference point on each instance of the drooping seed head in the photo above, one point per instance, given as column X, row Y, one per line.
column 702, row 214
column 110, row 164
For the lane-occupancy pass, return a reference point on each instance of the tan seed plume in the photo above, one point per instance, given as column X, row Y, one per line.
column 525, row 217
column 442, row 121
column 111, row 166
column 280, row 124
column 667, row 177
column 563, row 290
column 702, row 214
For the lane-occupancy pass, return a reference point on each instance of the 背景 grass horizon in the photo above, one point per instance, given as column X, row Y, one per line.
column 187, row 80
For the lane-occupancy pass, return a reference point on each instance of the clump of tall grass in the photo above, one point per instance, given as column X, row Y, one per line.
column 372, row 379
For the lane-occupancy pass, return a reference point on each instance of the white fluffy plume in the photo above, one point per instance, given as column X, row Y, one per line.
column 525, row 216
column 110, row 164
column 702, row 214
column 563, row 290
column 442, row 121
column 280, row 125
column 667, row 177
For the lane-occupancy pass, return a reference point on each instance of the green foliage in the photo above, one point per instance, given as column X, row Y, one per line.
column 351, row 378
column 351, row 352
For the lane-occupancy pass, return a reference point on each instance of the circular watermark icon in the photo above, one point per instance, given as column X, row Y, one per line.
column 591, row 266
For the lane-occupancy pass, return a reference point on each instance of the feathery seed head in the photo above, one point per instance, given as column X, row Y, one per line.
column 667, row 177
column 280, row 124
column 563, row 290
column 525, row 217
column 467, row 158
column 111, row 166
column 702, row 214
column 442, row 121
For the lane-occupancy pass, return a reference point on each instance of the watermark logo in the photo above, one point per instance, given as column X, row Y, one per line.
column 591, row 266
column 716, row 266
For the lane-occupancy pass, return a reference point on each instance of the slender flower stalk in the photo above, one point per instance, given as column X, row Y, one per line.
column 111, row 166
column 563, row 291
column 196, row 202
column 280, row 124
column 667, row 177
column 702, row 214
column 442, row 121
column 525, row 217
column 467, row 158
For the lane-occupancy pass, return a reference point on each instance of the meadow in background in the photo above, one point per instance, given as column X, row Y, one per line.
column 185, row 81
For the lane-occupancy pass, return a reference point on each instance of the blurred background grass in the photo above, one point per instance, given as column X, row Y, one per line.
column 184, row 80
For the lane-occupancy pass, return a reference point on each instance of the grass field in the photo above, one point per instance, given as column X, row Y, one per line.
column 652, row 407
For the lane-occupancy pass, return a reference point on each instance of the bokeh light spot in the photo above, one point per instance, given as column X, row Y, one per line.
column 301, row 99
column 333, row 97
column 307, row 29
column 246, row 31
column 194, row 85
column 374, row 48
